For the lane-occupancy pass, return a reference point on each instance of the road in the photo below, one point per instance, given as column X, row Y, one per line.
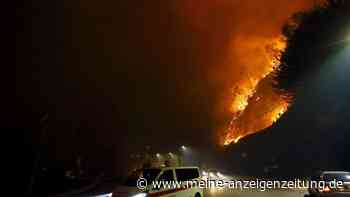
column 269, row 193
column 227, row 192
column 215, row 192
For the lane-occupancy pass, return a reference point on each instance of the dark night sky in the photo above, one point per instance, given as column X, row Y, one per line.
column 108, row 81
column 119, row 75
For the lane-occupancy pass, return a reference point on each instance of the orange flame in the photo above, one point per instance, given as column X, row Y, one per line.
column 247, row 44
column 251, row 93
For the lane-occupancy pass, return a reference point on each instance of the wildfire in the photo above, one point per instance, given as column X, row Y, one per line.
column 259, row 96
column 240, row 101
column 245, row 46
column 232, row 140
column 278, row 112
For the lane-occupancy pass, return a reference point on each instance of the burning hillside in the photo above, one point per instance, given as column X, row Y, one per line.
column 256, row 104
column 253, row 50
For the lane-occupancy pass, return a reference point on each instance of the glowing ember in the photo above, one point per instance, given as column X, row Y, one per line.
column 240, row 102
column 277, row 113
column 232, row 140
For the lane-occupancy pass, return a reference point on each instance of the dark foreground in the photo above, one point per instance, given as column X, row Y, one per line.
column 269, row 193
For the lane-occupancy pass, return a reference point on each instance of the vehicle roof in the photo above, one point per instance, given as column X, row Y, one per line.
column 176, row 167
column 335, row 172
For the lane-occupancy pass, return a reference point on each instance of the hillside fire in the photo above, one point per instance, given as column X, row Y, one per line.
column 248, row 41
column 258, row 105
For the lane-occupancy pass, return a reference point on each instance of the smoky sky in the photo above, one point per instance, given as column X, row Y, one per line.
column 115, row 76
column 162, row 67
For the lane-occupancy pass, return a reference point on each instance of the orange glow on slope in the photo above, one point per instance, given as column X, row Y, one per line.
column 242, row 123
column 232, row 140
column 246, row 124
column 247, row 87
column 278, row 112
column 248, row 44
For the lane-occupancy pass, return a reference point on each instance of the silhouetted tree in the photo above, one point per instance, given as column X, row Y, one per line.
column 313, row 36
